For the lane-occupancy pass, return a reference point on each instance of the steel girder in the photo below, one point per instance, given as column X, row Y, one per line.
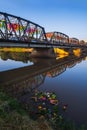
column 18, row 29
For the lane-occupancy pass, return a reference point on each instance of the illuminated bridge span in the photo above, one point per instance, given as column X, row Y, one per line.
column 19, row 32
column 57, row 37
column 13, row 28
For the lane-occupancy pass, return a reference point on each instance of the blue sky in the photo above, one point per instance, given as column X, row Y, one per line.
column 66, row 16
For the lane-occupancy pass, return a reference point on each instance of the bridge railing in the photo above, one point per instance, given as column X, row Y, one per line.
column 18, row 29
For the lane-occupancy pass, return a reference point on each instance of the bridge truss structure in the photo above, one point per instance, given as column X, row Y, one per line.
column 13, row 28
column 24, row 33
column 57, row 37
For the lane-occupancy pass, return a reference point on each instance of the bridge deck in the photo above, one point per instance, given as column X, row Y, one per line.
column 22, row 44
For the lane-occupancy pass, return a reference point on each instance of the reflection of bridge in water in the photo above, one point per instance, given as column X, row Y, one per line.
column 21, row 83
column 25, row 79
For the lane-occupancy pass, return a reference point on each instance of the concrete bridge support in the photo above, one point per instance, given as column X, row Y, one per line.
column 69, row 50
column 84, row 50
column 43, row 53
column 49, row 52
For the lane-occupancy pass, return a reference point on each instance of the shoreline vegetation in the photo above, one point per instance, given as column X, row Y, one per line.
column 14, row 117
column 5, row 49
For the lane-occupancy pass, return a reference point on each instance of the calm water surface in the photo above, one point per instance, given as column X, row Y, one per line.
column 67, row 78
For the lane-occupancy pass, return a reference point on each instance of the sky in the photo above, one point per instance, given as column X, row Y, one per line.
column 66, row 16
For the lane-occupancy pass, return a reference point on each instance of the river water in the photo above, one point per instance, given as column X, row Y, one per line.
column 66, row 77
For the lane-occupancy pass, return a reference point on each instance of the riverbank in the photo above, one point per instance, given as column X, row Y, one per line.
column 12, row 116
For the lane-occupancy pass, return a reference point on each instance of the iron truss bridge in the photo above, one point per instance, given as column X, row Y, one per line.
column 19, row 32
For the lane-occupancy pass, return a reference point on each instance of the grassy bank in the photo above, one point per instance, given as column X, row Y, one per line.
column 13, row 117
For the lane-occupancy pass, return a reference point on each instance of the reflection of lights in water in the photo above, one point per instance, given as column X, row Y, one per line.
column 45, row 105
column 61, row 53
column 16, row 49
column 77, row 52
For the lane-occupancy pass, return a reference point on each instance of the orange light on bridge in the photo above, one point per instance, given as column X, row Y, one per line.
column 86, row 58
column 61, row 53
column 77, row 52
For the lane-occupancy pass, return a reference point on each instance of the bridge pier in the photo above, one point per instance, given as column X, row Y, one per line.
column 43, row 53
column 69, row 50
